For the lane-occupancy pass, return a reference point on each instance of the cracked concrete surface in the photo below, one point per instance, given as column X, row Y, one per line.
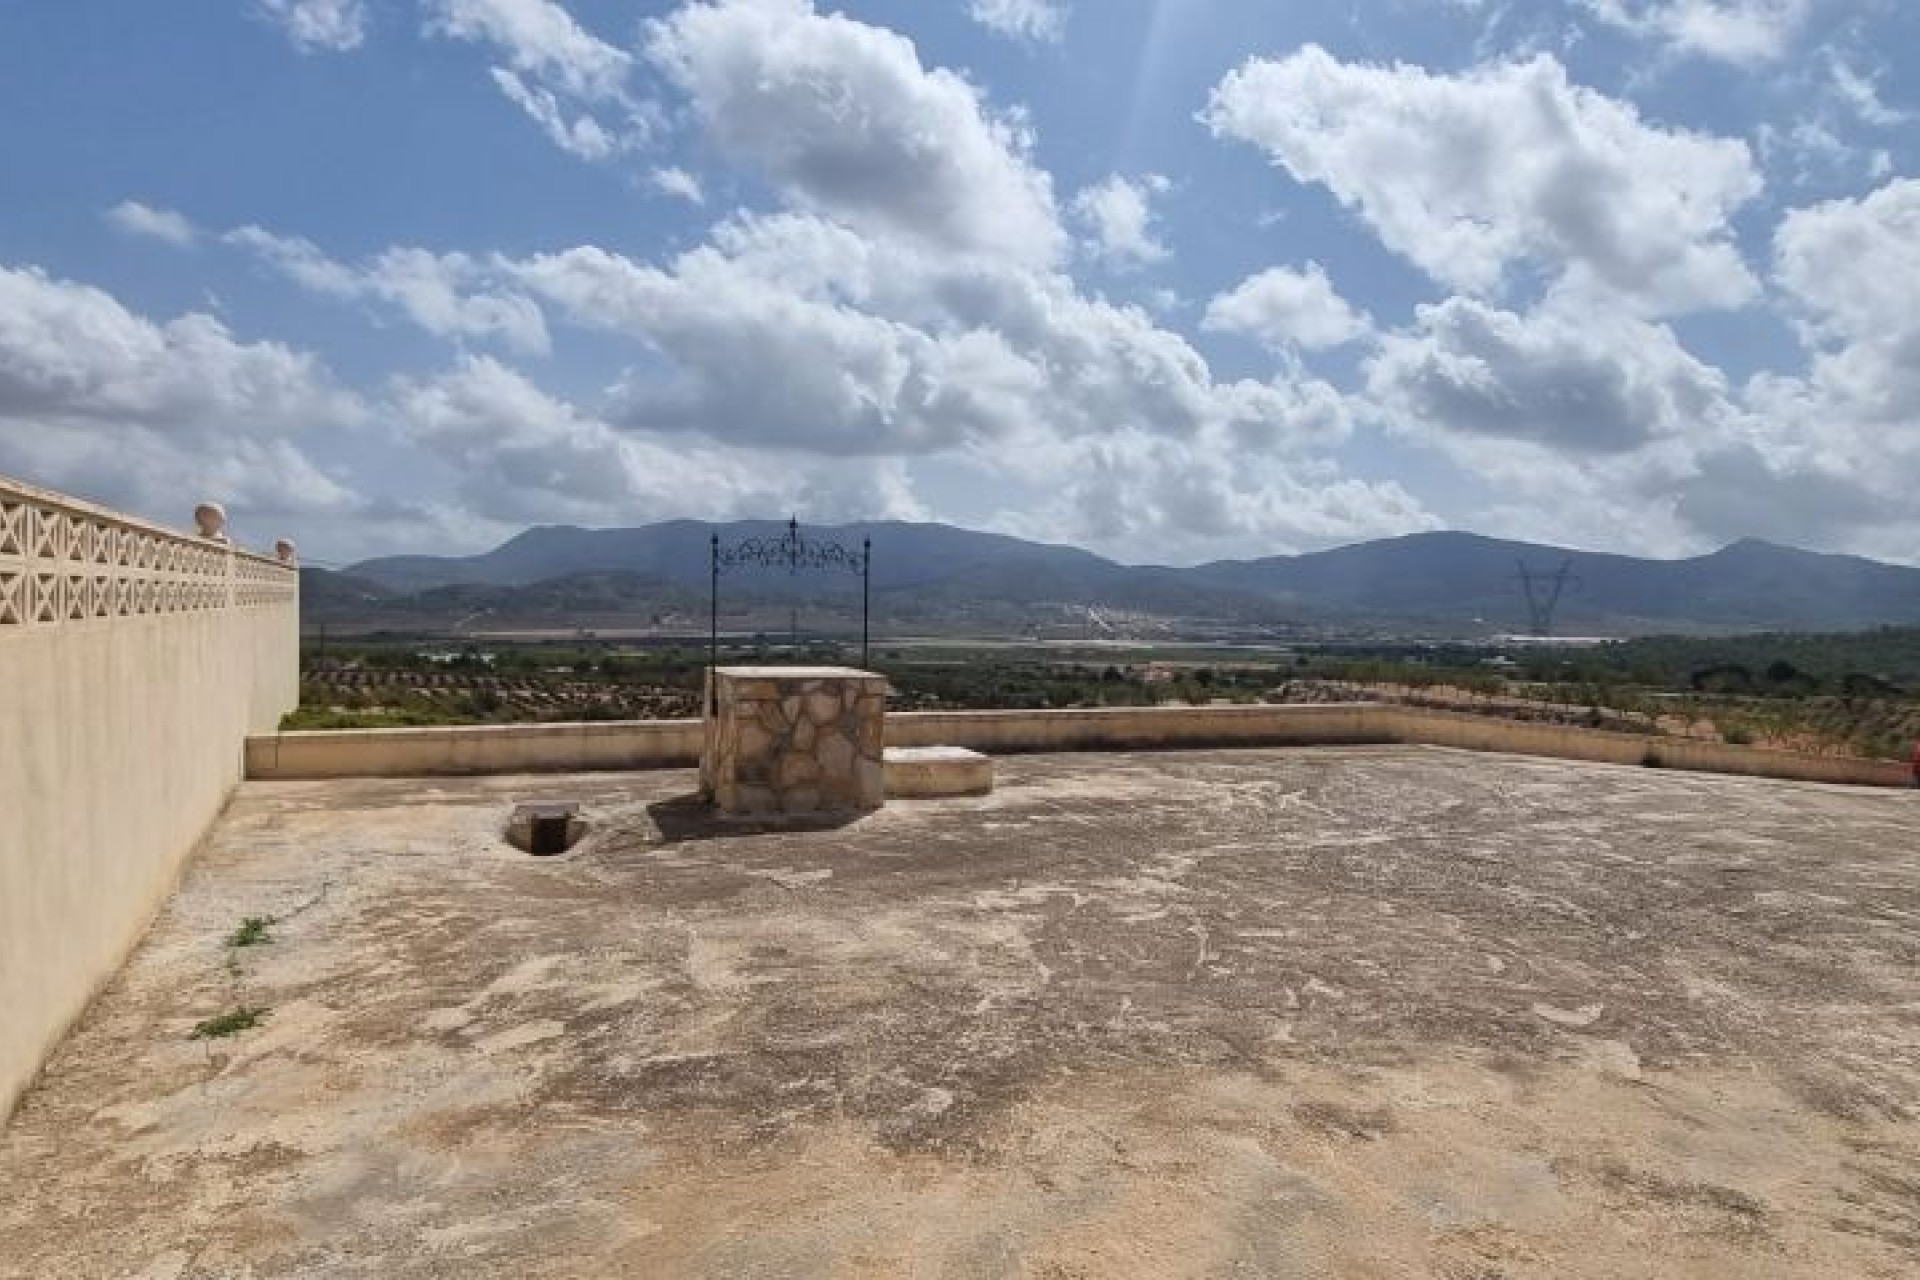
column 1333, row 1012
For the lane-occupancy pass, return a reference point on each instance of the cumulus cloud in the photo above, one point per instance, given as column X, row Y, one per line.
column 875, row 349
column 451, row 295
column 844, row 119
column 1152, row 500
column 1040, row 21
column 1507, row 165
column 910, row 302
column 1745, row 32
column 103, row 401
column 863, row 345
column 1597, row 424
column 1852, row 263
column 319, row 25
column 1740, row 490
column 1286, row 308
column 908, row 305
column 570, row 82
column 164, row 225
column 1119, row 215
column 523, row 454
column 71, row 352
column 1586, row 382
column 1848, row 266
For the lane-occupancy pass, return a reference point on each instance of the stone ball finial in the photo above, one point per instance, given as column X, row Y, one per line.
column 210, row 518
column 285, row 552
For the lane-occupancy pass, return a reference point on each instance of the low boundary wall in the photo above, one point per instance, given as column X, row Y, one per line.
column 134, row 661
column 651, row 744
column 505, row 748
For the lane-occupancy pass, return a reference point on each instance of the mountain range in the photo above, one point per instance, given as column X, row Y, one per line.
column 945, row 578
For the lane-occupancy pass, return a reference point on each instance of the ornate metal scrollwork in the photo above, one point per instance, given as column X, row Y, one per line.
column 793, row 552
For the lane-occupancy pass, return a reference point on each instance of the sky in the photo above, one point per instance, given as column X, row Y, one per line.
column 1175, row 280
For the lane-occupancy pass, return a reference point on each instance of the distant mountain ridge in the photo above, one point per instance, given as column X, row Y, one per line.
column 1462, row 581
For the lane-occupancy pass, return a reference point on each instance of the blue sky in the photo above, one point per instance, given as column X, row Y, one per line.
column 1172, row 279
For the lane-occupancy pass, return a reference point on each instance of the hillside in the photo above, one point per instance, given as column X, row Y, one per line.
column 950, row 578
column 1462, row 577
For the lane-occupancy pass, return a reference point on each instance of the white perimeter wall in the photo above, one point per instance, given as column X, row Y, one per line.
column 134, row 662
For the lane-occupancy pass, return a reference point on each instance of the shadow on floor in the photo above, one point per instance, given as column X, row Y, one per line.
column 688, row 818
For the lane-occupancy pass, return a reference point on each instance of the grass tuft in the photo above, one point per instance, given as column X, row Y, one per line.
column 252, row 932
column 244, row 1018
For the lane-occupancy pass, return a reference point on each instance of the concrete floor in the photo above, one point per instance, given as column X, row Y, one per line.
column 1338, row 1012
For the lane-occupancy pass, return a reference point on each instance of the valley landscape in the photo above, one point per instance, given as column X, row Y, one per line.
column 944, row 580
column 1754, row 644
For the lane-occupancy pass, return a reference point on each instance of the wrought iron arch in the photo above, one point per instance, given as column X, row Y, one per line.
column 793, row 552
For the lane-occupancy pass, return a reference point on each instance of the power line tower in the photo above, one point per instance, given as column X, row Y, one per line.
column 1543, row 591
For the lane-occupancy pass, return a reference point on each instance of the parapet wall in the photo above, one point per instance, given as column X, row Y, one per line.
column 676, row 743
column 134, row 662
column 613, row 745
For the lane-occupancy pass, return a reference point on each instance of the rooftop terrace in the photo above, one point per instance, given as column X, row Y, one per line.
column 1345, row 1011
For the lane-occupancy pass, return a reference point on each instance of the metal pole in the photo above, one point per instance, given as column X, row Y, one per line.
column 713, row 616
column 866, row 595
column 793, row 571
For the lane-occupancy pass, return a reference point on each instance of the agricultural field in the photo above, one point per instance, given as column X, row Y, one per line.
column 1847, row 695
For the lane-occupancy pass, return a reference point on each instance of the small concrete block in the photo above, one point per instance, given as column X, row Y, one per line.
column 923, row 772
column 547, row 827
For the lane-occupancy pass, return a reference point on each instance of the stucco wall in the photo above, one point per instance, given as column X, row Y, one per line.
column 134, row 662
column 1135, row 728
column 676, row 743
column 505, row 748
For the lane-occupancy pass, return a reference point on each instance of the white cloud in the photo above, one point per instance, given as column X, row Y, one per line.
column 451, row 295
column 1119, row 213
column 907, row 310
column 522, row 454
column 1040, row 21
column 1860, row 90
column 570, row 82
column 1286, row 308
column 1155, row 501
column 1577, row 381
column 872, row 346
column 1599, row 427
column 165, row 225
column 1472, row 176
column 71, row 352
column 582, row 135
column 1850, row 265
column 99, row 400
column 1745, row 32
column 679, row 184
column 910, row 305
column 541, row 39
column 843, row 118
column 316, row 25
